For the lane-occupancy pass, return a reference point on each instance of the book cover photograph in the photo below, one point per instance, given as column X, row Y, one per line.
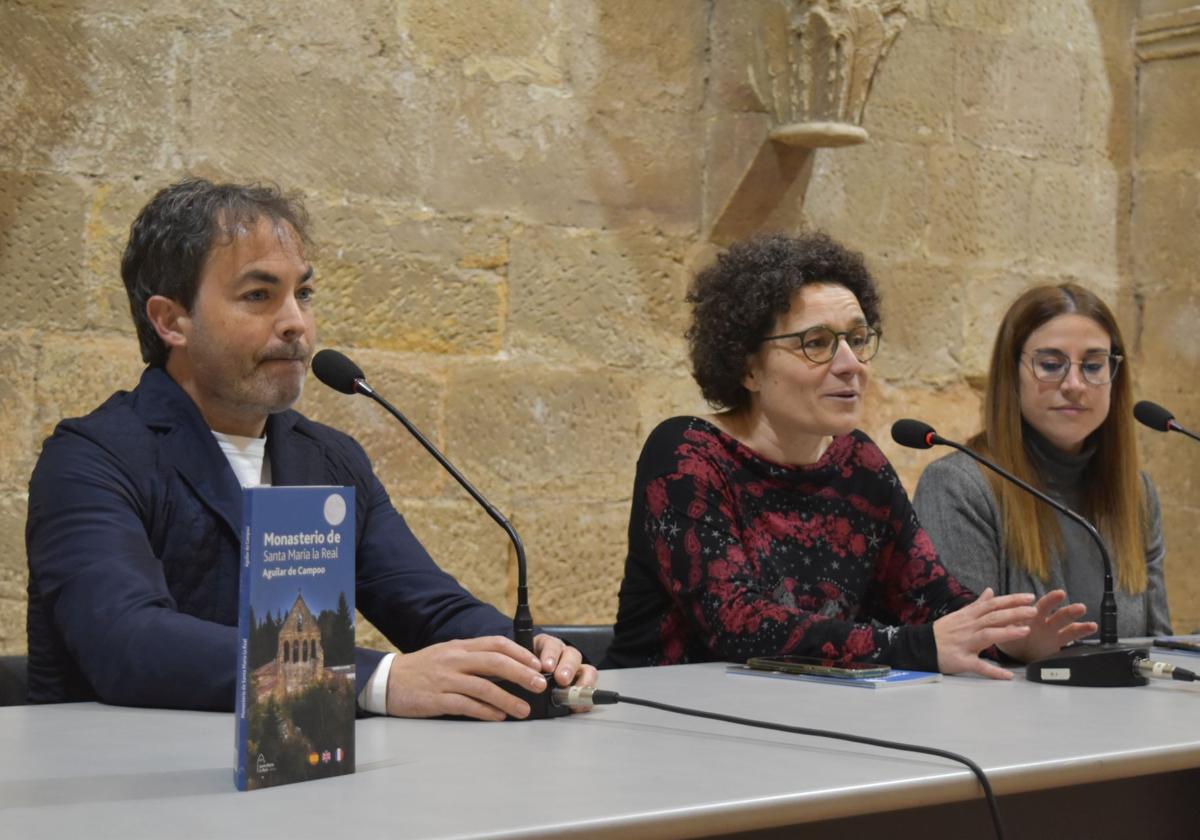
column 295, row 704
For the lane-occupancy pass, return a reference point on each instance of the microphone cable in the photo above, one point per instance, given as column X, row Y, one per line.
column 585, row 697
column 1159, row 670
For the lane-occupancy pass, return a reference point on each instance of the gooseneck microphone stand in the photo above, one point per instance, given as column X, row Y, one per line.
column 340, row 373
column 1105, row 664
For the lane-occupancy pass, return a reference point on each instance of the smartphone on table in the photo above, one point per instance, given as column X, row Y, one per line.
column 788, row 664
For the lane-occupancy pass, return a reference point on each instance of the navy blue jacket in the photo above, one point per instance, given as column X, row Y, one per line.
column 132, row 539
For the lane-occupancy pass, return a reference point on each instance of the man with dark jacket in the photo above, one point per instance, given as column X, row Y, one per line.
column 135, row 509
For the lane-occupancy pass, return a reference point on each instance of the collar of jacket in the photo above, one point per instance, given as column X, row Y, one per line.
column 187, row 445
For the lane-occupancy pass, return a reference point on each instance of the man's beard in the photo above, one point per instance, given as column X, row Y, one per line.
column 272, row 393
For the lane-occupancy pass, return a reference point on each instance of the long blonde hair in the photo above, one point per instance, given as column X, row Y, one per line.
column 1112, row 489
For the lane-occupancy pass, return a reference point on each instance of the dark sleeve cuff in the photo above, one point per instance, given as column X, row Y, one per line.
column 914, row 648
column 365, row 663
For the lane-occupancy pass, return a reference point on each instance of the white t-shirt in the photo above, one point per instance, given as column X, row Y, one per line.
column 247, row 456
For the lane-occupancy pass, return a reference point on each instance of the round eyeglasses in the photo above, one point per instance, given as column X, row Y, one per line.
column 1055, row 366
column 820, row 344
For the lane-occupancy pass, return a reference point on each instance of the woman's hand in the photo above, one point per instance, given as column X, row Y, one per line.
column 989, row 620
column 1053, row 628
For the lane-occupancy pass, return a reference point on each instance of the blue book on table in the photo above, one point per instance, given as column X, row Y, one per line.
column 295, row 703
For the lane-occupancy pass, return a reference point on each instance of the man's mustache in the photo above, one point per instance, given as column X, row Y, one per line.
column 292, row 352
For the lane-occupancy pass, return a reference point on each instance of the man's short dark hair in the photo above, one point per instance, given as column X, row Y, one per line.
column 737, row 299
column 173, row 235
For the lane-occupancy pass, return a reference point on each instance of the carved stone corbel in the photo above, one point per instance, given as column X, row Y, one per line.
column 813, row 86
column 1173, row 34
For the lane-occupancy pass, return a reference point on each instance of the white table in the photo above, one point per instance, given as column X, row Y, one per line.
column 88, row 770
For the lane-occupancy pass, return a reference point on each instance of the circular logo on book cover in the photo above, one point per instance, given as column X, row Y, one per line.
column 335, row 510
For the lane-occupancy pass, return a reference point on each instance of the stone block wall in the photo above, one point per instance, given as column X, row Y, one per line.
column 509, row 197
column 1165, row 249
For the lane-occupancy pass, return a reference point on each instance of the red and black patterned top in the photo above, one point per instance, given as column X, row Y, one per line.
column 733, row 556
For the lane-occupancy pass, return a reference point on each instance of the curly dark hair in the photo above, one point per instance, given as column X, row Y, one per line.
column 172, row 236
column 737, row 299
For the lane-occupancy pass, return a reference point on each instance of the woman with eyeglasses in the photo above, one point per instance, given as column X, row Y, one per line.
column 1057, row 414
column 774, row 526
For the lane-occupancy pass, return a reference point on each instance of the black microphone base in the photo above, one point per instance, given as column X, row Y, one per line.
column 540, row 705
column 1098, row 666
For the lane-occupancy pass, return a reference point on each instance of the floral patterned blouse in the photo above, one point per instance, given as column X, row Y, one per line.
column 732, row 555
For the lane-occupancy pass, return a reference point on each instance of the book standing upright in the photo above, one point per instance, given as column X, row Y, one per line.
column 295, row 704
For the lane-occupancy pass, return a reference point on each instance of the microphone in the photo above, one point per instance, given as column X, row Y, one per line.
column 914, row 434
column 1106, row 664
column 1158, row 418
column 340, row 373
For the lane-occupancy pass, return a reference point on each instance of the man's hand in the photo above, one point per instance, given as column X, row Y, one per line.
column 569, row 661
column 990, row 620
column 452, row 678
column 1053, row 628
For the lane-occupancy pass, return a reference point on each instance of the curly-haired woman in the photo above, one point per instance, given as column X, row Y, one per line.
column 773, row 526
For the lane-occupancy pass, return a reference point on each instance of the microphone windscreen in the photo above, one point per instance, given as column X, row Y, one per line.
column 912, row 433
column 1153, row 415
column 336, row 371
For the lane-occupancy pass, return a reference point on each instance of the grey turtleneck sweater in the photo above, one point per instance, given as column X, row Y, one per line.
column 955, row 504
